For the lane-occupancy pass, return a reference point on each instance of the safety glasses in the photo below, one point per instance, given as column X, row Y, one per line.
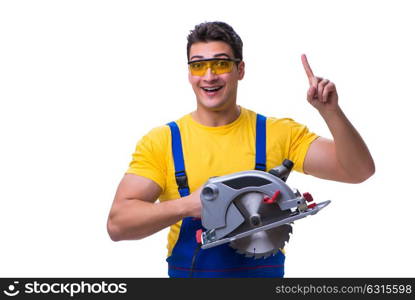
column 217, row 66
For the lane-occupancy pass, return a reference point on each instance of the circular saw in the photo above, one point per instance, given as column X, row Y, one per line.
column 253, row 211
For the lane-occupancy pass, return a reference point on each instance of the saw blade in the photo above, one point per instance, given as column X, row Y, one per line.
column 264, row 243
column 257, row 213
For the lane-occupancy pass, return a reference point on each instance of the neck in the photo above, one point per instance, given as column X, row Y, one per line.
column 214, row 118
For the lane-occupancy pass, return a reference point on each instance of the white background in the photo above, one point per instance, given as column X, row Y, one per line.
column 82, row 81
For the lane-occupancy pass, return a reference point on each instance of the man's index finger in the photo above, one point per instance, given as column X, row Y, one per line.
column 307, row 68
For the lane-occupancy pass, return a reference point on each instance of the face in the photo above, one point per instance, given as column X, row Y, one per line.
column 215, row 91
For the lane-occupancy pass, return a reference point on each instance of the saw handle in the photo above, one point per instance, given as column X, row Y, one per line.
column 283, row 170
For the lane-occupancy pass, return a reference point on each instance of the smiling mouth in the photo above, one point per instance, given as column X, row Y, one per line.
column 211, row 89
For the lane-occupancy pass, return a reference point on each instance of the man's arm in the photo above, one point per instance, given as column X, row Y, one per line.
column 345, row 158
column 135, row 215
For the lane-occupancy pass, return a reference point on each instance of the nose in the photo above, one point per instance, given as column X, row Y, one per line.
column 209, row 75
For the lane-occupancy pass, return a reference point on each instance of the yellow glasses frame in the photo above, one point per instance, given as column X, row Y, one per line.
column 216, row 65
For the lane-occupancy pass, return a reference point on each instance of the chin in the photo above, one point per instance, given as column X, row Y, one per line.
column 213, row 104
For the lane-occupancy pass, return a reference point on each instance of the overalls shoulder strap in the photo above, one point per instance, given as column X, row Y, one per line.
column 177, row 150
column 261, row 143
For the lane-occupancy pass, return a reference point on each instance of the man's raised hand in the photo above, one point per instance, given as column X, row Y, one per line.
column 322, row 93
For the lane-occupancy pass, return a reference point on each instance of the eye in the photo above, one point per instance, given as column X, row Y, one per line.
column 196, row 65
column 222, row 64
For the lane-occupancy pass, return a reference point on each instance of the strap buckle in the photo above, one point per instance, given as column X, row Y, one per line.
column 181, row 179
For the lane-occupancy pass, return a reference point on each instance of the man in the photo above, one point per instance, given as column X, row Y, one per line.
column 218, row 138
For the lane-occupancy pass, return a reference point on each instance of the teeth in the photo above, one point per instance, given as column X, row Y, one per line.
column 211, row 89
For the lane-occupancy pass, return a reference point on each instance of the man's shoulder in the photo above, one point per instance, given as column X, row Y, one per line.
column 157, row 135
column 270, row 118
column 283, row 123
column 162, row 131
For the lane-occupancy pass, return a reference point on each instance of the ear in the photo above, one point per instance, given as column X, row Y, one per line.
column 241, row 70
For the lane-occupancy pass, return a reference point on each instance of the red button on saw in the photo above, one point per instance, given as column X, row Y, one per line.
column 273, row 199
column 308, row 197
column 312, row 205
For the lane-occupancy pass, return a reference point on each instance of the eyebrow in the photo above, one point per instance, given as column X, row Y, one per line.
column 216, row 55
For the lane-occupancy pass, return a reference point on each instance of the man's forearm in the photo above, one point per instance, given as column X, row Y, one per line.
column 135, row 219
column 351, row 151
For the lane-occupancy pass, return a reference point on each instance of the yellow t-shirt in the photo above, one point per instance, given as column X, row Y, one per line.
column 216, row 151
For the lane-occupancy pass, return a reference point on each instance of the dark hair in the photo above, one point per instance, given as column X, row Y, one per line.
column 215, row 31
